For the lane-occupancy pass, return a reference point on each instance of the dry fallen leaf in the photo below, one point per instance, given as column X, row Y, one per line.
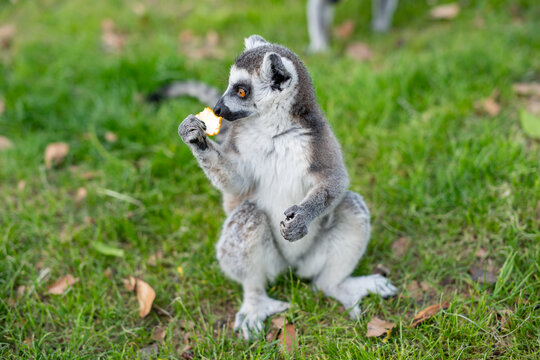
column 145, row 294
column 129, row 283
column 111, row 137
column 481, row 276
column 187, row 353
column 108, row 273
column 382, row 270
column 345, row 30
column 153, row 259
column 81, row 195
column 481, row 253
column 62, row 284
column 21, row 290
column 138, row 9
column 5, row 143
column 288, row 337
column 377, row 327
column 527, row 89
column 490, row 106
column 55, row 153
column 159, row 333
column 428, row 312
column 21, row 185
column 284, row 333
column 6, row 35
column 445, row 12
column 196, row 47
column 111, row 39
column 359, row 51
column 399, row 247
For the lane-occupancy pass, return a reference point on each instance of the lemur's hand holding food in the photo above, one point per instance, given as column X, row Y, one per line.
column 192, row 131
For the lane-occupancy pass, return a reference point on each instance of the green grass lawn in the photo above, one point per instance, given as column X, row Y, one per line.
column 462, row 186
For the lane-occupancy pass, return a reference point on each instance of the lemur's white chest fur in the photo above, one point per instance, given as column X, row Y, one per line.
column 276, row 160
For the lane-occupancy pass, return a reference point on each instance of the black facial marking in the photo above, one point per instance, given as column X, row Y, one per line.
column 279, row 73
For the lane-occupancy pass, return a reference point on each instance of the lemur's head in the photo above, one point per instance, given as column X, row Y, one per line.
column 265, row 77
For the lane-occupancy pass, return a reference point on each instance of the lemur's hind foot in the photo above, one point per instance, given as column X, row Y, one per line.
column 250, row 319
column 351, row 291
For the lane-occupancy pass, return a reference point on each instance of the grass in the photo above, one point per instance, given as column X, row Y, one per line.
column 433, row 168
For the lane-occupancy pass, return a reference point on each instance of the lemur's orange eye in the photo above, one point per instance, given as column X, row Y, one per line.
column 241, row 92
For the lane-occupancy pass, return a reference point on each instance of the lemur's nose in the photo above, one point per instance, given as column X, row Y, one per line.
column 218, row 108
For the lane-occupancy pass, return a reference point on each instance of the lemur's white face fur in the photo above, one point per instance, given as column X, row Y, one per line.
column 261, row 81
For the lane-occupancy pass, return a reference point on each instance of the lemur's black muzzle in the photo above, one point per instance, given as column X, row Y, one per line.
column 220, row 109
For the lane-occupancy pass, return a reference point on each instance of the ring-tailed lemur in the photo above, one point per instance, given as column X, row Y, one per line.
column 321, row 12
column 284, row 186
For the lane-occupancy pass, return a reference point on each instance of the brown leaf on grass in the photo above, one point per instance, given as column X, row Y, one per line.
column 345, row 30
column 111, row 137
column 428, row 313
column 377, row 327
column 145, row 294
column 284, row 333
column 61, row 285
column 21, row 185
column 490, row 106
column 159, row 333
column 108, row 273
column 196, row 47
column 129, row 283
column 359, row 51
column 55, row 153
column 6, row 35
column 445, row 12
column 89, row 175
column 399, row 247
column 153, row 259
column 21, row 290
column 484, row 277
column 382, row 270
column 527, row 89
column 112, row 40
column 481, row 253
column 138, row 9
column 81, row 195
column 5, row 143
column 187, row 353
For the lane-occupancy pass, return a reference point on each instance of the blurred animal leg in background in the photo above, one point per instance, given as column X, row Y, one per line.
column 320, row 14
column 383, row 12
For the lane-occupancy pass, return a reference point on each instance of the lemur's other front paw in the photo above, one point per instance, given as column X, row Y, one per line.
column 295, row 225
column 192, row 131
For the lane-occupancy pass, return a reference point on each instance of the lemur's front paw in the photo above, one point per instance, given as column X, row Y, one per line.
column 295, row 225
column 192, row 131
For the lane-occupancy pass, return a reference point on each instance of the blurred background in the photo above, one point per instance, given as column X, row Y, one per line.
column 439, row 124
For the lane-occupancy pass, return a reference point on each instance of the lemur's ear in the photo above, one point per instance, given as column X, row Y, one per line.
column 254, row 41
column 274, row 71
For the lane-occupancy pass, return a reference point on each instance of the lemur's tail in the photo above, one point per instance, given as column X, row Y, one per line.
column 205, row 93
